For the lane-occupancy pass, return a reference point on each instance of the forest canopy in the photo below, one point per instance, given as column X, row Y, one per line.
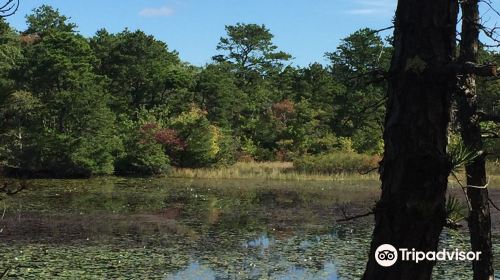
column 126, row 104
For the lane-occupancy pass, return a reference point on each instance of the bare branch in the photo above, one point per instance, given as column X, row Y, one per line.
column 490, row 6
column 382, row 29
column 9, row 8
column 346, row 218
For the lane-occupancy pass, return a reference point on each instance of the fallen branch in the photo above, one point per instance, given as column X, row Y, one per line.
column 350, row 218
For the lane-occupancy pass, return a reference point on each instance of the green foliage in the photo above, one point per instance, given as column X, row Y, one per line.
column 141, row 70
column 219, row 94
column 250, row 47
column 456, row 210
column 460, row 155
column 201, row 138
column 124, row 103
column 336, row 162
column 142, row 155
column 331, row 143
column 10, row 54
column 73, row 130
column 46, row 19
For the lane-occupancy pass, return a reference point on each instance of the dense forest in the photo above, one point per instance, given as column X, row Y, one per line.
column 125, row 104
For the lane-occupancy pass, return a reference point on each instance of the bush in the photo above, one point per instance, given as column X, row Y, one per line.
column 144, row 155
column 202, row 139
column 147, row 160
column 331, row 143
column 336, row 162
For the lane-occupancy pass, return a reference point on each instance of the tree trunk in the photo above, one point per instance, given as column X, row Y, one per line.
column 414, row 172
column 479, row 214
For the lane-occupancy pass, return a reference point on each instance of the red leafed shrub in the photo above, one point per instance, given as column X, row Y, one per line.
column 169, row 137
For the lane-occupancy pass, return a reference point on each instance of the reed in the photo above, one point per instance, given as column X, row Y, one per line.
column 266, row 170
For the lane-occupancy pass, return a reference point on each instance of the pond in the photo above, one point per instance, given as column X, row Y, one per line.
column 115, row 228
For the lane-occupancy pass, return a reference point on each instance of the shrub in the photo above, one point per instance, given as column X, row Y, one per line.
column 202, row 140
column 336, row 162
column 331, row 143
column 143, row 153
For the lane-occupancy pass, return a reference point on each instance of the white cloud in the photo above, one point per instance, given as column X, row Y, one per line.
column 163, row 11
column 372, row 7
column 361, row 11
column 376, row 3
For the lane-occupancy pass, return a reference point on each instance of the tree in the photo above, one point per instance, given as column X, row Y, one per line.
column 470, row 128
column 359, row 64
column 46, row 19
column 74, row 134
column 415, row 168
column 250, row 48
column 10, row 54
column 141, row 70
column 143, row 154
column 219, row 95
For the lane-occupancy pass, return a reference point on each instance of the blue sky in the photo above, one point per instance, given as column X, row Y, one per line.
column 305, row 28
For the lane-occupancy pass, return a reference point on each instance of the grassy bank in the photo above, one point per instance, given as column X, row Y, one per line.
column 266, row 170
column 287, row 171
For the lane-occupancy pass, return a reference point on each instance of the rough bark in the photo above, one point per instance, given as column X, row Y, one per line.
column 411, row 211
column 479, row 215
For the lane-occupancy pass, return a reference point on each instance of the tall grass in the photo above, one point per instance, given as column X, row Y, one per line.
column 337, row 162
column 288, row 171
column 266, row 170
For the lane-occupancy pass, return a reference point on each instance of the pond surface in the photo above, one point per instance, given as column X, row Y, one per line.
column 113, row 228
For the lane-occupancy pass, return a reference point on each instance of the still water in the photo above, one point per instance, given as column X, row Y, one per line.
column 113, row 228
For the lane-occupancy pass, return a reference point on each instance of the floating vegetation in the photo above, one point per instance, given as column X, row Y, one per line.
column 110, row 228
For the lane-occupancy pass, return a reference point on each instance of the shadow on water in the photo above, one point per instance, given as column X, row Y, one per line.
column 111, row 228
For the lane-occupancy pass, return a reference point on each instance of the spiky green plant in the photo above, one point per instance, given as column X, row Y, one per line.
column 456, row 210
column 460, row 156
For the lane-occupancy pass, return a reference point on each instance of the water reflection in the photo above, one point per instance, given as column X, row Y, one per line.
column 185, row 229
column 195, row 271
column 262, row 241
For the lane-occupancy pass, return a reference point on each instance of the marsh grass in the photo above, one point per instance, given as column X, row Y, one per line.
column 492, row 173
column 287, row 172
column 268, row 171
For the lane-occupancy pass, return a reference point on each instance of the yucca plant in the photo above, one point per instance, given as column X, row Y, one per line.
column 460, row 156
column 456, row 210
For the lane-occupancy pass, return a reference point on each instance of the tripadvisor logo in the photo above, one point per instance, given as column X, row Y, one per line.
column 387, row 255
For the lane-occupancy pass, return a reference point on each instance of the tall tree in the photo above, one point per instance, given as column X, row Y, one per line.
column 46, row 19
column 359, row 63
column 470, row 128
column 75, row 132
column 250, row 47
column 415, row 168
column 141, row 70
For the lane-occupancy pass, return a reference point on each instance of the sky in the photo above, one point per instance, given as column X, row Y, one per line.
column 304, row 28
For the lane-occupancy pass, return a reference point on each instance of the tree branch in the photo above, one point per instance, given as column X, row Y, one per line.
column 483, row 70
column 9, row 8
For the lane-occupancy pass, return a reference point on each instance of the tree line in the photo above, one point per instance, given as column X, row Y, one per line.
column 126, row 104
